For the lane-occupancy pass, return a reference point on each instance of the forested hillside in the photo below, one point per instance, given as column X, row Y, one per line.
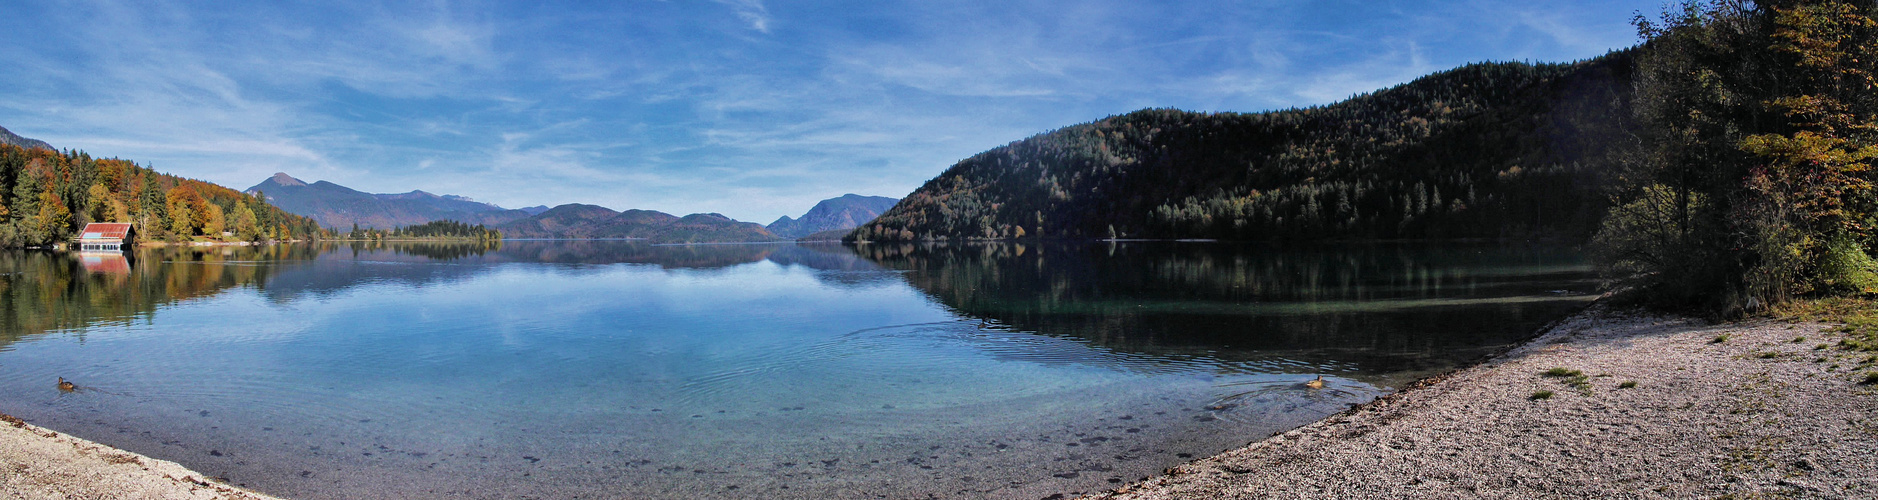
column 46, row 196
column 1487, row 150
column 1726, row 163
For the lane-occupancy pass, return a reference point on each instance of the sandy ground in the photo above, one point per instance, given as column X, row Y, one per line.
column 1759, row 415
column 36, row 463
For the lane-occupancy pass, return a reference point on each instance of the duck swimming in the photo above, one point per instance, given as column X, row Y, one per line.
column 1318, row 383
column 66, row 386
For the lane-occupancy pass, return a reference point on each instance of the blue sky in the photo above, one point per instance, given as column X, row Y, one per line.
column 750, row 108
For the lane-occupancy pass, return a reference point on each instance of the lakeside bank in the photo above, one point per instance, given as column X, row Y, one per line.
column 1642, row 405
column 36, row 463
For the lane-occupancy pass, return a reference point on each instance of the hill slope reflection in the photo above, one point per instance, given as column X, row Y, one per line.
column 1381, row 308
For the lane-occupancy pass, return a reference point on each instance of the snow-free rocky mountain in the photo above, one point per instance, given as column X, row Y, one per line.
column 846, row 212
column 340, row 207
column 8, row 137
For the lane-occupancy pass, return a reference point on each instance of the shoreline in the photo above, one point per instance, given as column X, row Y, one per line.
column 37, row 463
column 1662, row 409
column 1756, row 413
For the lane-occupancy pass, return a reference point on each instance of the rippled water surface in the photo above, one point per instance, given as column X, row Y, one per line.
column 602, row 369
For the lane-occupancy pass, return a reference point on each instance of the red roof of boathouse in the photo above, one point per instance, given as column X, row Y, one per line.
column 105, row 231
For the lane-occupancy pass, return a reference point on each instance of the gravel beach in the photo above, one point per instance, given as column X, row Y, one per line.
column 1641, row 406
column 1760, row 412
column 36, row 463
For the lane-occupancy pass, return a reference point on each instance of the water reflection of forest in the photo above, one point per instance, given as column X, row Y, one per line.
column 1387, row 307
column 42, row 291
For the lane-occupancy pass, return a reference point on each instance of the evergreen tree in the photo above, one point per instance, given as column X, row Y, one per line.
column 1754, row 183
column 46, row 196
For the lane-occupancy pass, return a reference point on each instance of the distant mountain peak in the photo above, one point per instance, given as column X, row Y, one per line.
column 333, row 205
column 8, row 137
column 415, row 194
column 283, row 179
column 844, row 212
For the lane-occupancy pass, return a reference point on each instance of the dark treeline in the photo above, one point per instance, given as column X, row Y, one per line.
column 1487, row 150
column 46, row 196
column 438, row 229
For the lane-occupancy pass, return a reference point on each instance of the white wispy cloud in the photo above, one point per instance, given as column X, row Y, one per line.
column 145, row 95
column 752, row 12
column 1400, row 62
column 733, row 106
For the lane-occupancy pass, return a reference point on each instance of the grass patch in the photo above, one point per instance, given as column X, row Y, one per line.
column 1858, row 319
column 1537, row 395
column 1628, row 384
column 1574, row 378
column 1719, row 339
column 1870, row 378
column 1563, row 372
column 1800, row 339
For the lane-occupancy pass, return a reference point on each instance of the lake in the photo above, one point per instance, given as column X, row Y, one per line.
column 603, row 369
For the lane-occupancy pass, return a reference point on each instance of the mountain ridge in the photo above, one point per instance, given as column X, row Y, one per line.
column 843, row 212
column 339, row 207
column 582, row 221
column 9, row 138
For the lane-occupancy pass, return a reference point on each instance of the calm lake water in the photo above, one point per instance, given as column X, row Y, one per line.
column 603, row 369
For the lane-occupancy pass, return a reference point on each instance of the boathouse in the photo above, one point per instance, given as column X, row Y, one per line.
column 107, row 236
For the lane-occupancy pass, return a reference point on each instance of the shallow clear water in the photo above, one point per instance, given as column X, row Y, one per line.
column 619, row 369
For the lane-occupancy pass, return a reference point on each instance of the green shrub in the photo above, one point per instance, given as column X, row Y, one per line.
column 1845, row 267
